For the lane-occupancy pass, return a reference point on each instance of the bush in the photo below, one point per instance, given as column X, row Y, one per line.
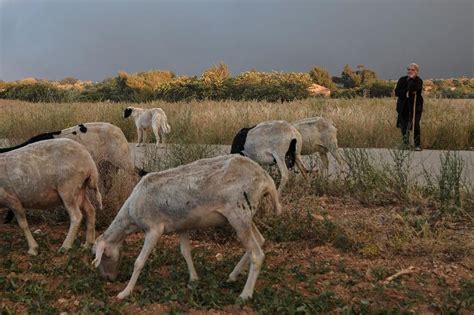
column 271, row 87
column 38, row 92
column 181, row 89
column 347, row 93
column 456, row 93
column 380, row 88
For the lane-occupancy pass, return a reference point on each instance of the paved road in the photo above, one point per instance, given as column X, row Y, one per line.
column 420, row 162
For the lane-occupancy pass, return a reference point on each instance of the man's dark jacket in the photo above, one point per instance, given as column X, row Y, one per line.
column 405, row 104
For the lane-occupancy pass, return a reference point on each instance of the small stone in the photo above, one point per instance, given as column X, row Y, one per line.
column 219, row 256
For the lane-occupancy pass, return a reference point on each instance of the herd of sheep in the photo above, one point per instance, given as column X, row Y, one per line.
column 58, row 168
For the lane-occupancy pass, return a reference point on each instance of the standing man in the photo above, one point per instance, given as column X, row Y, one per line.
column 408, row 91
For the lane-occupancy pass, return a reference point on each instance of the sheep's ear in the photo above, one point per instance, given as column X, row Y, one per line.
column 99, row 251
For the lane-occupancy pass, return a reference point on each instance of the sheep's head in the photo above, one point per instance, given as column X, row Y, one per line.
column 127, row 112
column 107, row 258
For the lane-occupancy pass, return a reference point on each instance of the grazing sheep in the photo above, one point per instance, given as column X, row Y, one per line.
column 105, row 142
column 319, row 135
column 47, row 174
column 145, row 119
column 271, row 142
column 202, row 194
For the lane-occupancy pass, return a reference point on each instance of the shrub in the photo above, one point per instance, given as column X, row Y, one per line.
column 271, row 87
column 182, row 89
column 38, row 92
column 380, row 88
column 347, row 93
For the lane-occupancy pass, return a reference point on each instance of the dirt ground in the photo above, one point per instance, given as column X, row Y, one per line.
column 300, row 274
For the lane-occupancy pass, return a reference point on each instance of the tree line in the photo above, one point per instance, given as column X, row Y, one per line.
column 217, row 83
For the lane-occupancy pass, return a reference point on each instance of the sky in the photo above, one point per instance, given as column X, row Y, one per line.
column 92, row 40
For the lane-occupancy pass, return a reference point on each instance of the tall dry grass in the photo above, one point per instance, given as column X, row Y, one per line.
column 446, row 124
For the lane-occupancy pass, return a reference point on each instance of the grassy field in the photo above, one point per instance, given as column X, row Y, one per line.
column 334, row 249
column 446, row 124
column 324, row 254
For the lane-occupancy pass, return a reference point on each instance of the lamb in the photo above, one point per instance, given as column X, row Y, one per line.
column 271, row 142
column 205, row 193
column 105, row 142
column 47, row 174
column 146, row 118
column 319, row 135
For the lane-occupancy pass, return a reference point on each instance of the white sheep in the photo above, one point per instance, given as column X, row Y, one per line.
column 47, row 174
column 272, row 142
column 319, row 135
column 147, row 118
column 202, row 194
column 105, row 142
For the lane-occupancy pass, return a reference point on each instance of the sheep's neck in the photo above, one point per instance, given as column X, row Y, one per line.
column 119, row 229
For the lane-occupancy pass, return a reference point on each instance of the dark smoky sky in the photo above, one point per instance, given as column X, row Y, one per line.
column 94, row 39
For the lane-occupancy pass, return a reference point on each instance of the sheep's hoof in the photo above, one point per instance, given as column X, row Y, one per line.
column 86, row 245
column 63, row 249
column 193, row 284
column 33, row 251
column 242, row 299
column 122, row 295
column 245, row 297
column 231, row 279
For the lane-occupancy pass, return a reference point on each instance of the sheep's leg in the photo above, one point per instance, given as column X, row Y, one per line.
column 90, row 218
column 283, row 172
column 249, row 240
column 186, row 252
column 243, row 263
column 19, row 212
column 156, row 131
column 302, row 168
column 325, row 160
column 337, row 156
column 151, row 238
column 75, row 216
column 144, row 132
column 140, row 136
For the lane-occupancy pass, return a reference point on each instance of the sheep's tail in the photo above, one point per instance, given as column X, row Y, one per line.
column 165, row 127
column 93, row 183
column 333, row 147
column 275, row 200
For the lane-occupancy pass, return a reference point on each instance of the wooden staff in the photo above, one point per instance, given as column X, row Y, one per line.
column 414, row 113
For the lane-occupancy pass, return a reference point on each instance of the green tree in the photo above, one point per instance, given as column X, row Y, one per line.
column 349, row 78
column 322, row 77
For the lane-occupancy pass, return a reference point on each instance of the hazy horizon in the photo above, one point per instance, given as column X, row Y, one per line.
column 92, row 40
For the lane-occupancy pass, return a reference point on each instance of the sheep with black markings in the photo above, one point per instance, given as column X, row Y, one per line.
column 105, row 142
column 271, row 142
column 146, row 118
column 202, row 194
column 47, row 174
